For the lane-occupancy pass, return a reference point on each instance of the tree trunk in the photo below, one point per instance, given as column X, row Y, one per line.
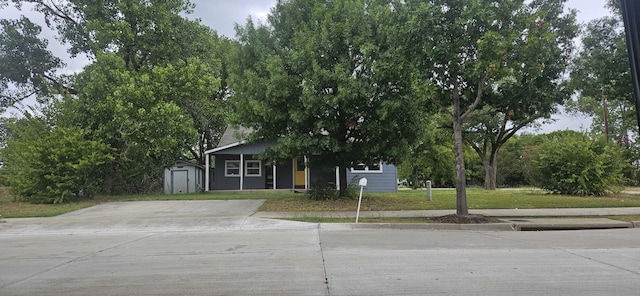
column 491, row 166
column 342, row 177
column 461, row 176
column 414, row 179
column 490, row 173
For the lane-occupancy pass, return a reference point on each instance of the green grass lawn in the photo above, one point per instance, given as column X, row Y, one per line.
column 283, row 201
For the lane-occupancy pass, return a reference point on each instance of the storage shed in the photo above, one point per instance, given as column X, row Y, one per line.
column 183, row 177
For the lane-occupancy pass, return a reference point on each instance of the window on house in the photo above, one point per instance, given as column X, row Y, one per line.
column 253, row 168
column 367, row 168
column 232, row 168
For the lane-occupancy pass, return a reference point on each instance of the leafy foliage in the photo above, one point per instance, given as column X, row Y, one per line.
column 138, row 113
column 574, row 164
column 152, row 92
column 516, row 163
column 320, row 80
column 432, row 158
column 26, row 66
column 600, row 74
column 500, row 59
column 53, row 165
column 328, row 191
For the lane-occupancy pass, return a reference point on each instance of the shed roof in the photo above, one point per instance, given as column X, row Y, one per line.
column 186, row 163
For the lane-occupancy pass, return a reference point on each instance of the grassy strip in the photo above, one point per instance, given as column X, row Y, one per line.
column 445, row 199
column 284, row 201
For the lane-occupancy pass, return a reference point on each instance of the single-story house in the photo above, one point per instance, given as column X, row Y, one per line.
column 236, row 167
column 183, row 177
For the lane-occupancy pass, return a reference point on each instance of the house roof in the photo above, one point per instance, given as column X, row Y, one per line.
column 233, row 136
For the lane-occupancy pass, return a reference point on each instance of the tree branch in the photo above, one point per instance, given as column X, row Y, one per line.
column 478, row 99
column 60, row 86
column 442, row 108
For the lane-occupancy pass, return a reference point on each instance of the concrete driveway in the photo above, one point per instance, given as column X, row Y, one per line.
column 152, row 216
column 216, row 248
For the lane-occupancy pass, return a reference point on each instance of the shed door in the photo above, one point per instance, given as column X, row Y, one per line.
column 179, row 182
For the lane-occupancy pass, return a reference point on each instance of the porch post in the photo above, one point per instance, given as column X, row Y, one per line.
column 241, row 171
column 337, row 178
column 275, row 180
column 206, row 172
column 306, row 174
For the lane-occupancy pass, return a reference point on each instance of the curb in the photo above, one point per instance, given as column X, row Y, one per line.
column 418, row 226
column 506, row 225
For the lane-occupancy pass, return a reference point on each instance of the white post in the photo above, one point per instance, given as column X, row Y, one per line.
column 337, row 178
column 429, row 189
column 306, row 174
column 206, row 172
column 362, row 183
column 274, row 177
column 241, row 171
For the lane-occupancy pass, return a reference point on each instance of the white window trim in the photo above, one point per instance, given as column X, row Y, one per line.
column 246, row 168
column 367, row 170
column 226, row 172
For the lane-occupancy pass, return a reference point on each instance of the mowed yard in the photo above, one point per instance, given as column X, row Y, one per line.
column 287, row 201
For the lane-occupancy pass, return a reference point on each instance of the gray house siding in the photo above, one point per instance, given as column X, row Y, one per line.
column 232, row 147
column 284, row 175
column 385, row 181
column 221, row 182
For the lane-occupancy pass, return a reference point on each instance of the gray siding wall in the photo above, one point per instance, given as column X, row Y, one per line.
column 386, row 181
column 284, row 175
column 223, row 182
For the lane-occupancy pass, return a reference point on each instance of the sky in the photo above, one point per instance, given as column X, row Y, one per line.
column 222, row 15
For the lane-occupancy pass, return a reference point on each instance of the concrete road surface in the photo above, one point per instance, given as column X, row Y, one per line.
column 215, row 248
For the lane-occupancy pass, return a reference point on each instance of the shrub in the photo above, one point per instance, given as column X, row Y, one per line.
column 328, row 191
column 58, row 165
column 577, row 165
column 323, row 191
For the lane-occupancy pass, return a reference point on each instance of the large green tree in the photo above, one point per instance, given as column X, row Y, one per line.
column 152, row 90
column 138, row 114
column 500, row 57
column 601, row 76
column 320, row 79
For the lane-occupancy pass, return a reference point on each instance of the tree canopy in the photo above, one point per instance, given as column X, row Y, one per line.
column 323, row 82
column 344, row 82
column 498, row 58
column 152, row 91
